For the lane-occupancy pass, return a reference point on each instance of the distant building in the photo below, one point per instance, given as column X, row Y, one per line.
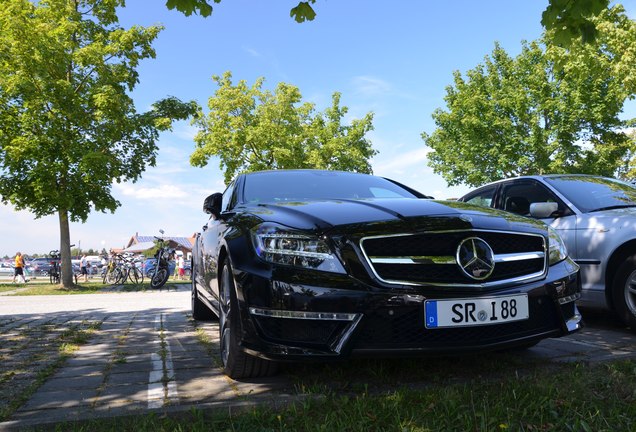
column 140, row 243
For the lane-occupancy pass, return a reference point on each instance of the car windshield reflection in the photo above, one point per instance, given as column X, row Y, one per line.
column 613, row 207
column 312, row 186
column 591, row 194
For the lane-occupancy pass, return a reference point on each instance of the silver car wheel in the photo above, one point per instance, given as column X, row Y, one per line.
column 224, row 309
column 630, row 293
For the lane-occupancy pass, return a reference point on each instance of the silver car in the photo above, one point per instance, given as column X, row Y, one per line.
column 6, row 269
column 595, row 216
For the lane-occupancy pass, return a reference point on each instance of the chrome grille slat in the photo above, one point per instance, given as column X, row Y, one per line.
column 414, row 260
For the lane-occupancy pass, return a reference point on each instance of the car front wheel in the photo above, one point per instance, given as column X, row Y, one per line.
column 624, row 292
column 236, row 363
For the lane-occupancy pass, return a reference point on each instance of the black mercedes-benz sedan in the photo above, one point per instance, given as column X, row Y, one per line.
column 319, row 265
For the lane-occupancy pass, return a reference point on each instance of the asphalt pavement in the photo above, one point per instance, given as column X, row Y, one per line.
column 148, row 357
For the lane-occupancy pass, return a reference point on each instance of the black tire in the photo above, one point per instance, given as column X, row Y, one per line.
column 120, row 275
column 54, row 278
column 140, row 275
column 200, row 312
column 112, row 277
column 159, row 279
column 135, row 275
column 624, row 292
column 236, row 363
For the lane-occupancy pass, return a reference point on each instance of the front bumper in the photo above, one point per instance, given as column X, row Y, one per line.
column 296, row 318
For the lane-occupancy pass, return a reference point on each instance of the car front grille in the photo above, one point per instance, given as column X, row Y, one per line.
column 433, row 258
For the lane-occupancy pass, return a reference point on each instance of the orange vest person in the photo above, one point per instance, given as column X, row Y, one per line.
column 19, row 267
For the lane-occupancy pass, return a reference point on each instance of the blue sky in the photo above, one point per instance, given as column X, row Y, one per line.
column 392, row 58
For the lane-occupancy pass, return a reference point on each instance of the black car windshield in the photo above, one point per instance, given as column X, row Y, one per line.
column 277, row 186
column 590, row 194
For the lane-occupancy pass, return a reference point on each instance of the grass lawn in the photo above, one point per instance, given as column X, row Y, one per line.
column 419, row 396
column 93, row 286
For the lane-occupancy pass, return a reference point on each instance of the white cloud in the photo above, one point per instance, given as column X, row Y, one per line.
column 252, row 52
column 185, row 131
column 164, row 191
column 402, row 162
column 371, row 86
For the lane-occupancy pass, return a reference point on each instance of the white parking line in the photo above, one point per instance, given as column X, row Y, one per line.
column 160, row 393
column 156, row 392
column 171, row 391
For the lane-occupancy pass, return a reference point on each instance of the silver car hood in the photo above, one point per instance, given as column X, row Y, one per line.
column 614, row 219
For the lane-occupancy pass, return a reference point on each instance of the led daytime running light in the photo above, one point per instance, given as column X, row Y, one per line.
column 295, row 245
column 321, row 316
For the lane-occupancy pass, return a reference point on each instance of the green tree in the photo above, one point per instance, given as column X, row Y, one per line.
column 547, row 110
column 628, row 170
column 68, row 127
column 251, row 129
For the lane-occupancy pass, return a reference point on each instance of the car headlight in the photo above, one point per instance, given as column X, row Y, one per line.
column 279, row 245
column 558, row 251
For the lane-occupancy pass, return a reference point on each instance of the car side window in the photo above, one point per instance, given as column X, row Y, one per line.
column 482, row 197
column 228, row 198
column 516, row 197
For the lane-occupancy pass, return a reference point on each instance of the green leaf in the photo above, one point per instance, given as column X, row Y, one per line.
column 188, row 7
column 303, row 12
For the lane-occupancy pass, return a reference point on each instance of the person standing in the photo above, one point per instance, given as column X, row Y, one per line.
column 84, row 268
column 181, row 265
column 18, row 267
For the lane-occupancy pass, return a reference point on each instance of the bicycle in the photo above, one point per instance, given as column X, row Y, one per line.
column 122, row 268
column 114, row 273
column 133, row 273
column 55, row 273
column 108, row 269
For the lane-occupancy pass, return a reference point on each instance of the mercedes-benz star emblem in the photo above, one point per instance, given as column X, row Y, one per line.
column 475, row 258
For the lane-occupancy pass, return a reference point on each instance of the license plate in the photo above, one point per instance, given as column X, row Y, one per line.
column 475, row 311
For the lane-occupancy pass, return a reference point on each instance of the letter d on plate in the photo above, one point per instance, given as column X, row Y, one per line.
column 431, row 314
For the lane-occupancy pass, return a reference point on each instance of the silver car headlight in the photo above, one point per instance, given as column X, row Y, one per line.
column 558, row 252
column 280, row 245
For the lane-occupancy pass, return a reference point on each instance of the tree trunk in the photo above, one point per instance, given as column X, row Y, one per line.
column 65, row 250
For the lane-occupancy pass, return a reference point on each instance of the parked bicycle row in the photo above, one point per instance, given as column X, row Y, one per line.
column 116, row 269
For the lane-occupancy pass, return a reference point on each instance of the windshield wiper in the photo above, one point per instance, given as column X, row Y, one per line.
column 620, row 206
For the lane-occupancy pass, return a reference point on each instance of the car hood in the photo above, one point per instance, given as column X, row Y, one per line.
column 413, row 214
column 610, row 219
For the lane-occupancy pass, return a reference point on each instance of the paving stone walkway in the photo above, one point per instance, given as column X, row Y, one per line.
column 138, row 361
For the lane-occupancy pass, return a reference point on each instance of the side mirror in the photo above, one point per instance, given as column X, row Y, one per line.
column 212, row 204
column 542, row 210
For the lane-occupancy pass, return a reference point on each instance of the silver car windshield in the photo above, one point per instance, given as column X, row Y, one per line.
column 591, row 194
